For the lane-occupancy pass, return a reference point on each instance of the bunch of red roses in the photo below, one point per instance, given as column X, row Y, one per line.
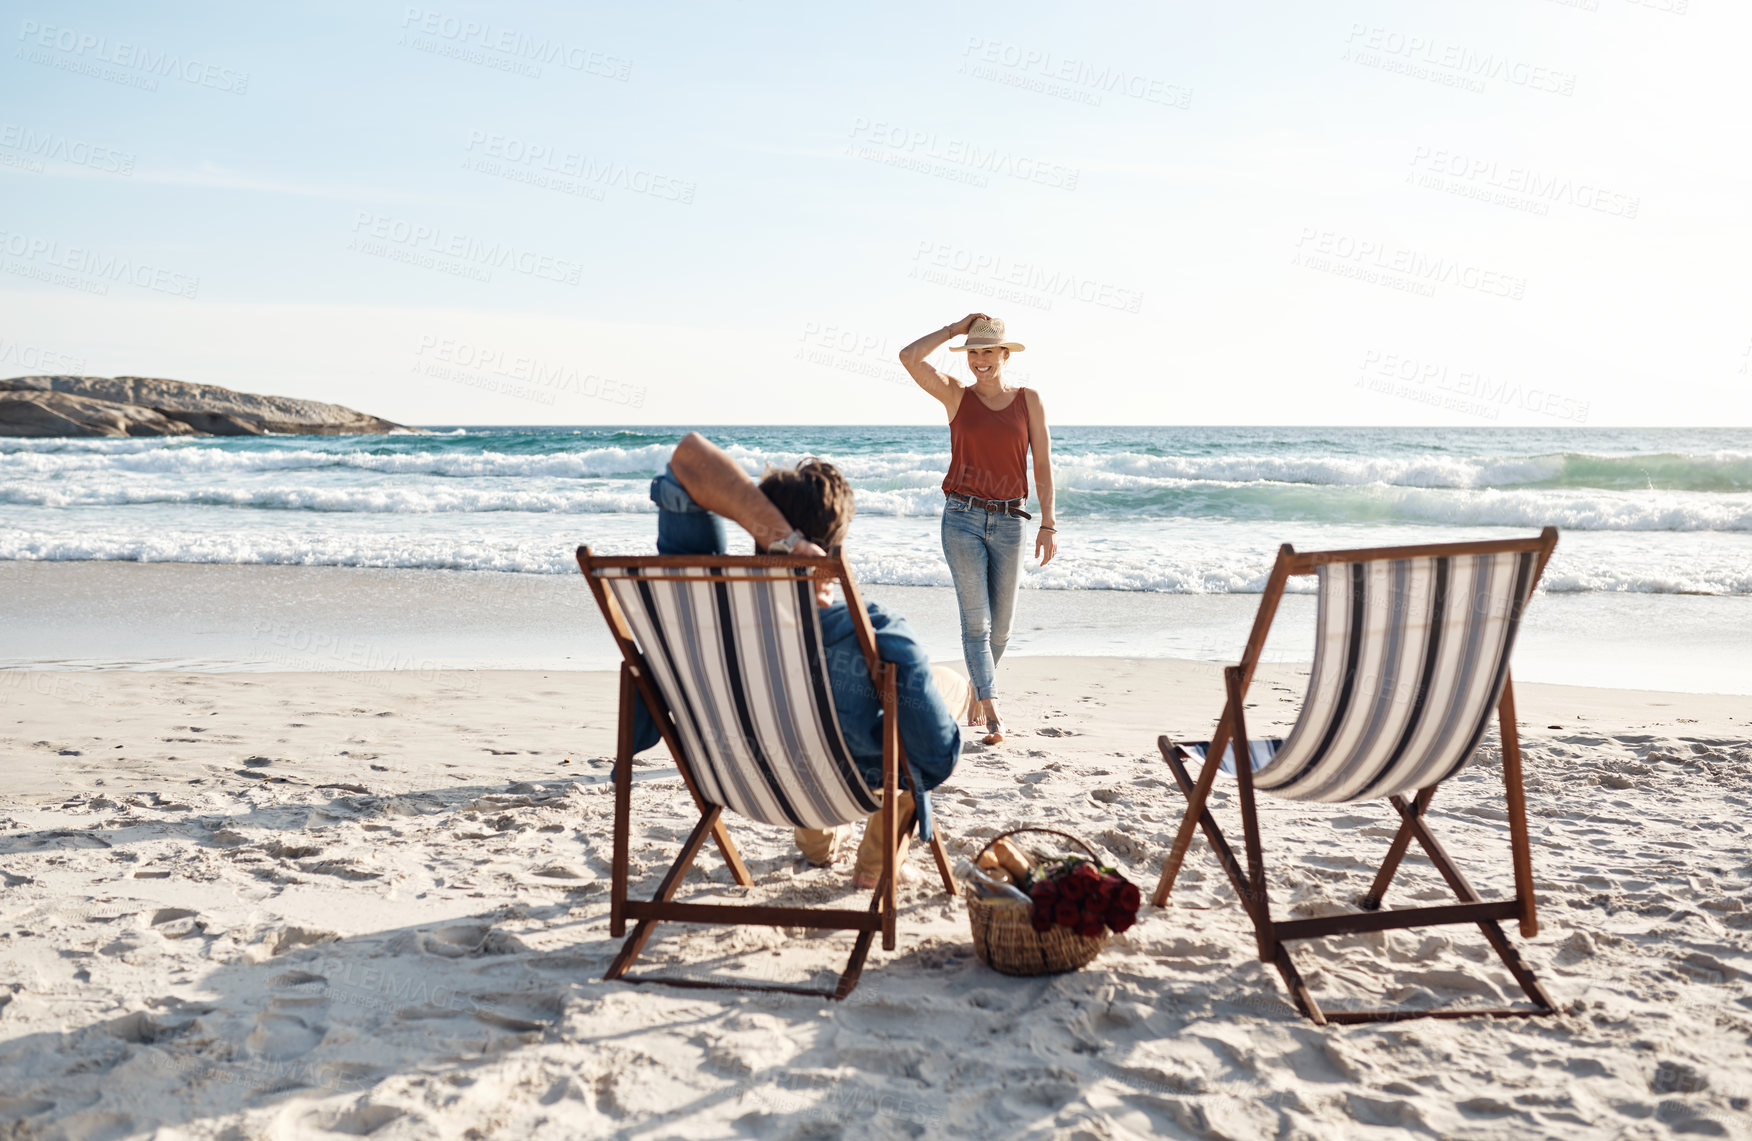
column 1077, row 894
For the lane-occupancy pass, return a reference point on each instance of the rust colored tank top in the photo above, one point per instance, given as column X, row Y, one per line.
column 988, row 451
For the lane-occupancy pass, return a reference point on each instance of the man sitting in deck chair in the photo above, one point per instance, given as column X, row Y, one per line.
column 807, row 510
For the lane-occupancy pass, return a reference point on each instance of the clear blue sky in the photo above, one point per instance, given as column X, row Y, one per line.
column 1510, row 211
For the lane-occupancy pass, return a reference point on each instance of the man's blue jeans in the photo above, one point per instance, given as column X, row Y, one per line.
column 984, row 550
column 683, row 526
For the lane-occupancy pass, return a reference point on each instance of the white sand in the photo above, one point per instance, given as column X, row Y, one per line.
column 198, row 936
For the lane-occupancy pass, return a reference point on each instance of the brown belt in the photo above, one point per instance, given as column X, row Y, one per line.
column 992, row 506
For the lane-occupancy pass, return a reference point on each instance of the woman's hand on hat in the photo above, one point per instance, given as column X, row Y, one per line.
column 964, row 326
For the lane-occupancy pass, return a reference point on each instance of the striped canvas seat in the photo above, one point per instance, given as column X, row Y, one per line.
column 1259, row 750
column 1411, row 658
column 741, row 667
column 725, row 654
column 1409, row 661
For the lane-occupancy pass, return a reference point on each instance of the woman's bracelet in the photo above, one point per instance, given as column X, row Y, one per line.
column 1049, row 528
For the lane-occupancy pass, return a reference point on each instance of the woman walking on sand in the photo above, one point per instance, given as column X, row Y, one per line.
column 993, row 427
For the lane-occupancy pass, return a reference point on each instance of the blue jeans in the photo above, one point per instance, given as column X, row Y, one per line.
column 683, row 526
column 985, row 560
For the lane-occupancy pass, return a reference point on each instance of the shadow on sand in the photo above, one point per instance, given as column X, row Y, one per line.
column 300, row 1031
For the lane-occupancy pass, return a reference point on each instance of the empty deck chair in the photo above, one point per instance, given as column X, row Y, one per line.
column 726, row 652
column 1411, row 655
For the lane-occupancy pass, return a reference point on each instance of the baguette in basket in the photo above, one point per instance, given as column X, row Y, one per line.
column 1057, row 916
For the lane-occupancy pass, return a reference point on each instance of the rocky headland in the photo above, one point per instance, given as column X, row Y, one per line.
column 144, row 406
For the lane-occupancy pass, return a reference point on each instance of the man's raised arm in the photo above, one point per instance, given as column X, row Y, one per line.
column 717, row 483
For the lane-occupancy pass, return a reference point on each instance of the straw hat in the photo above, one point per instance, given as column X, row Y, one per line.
column 985, row 333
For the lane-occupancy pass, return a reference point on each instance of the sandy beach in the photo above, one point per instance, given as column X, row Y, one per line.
column 289, row 904
column 335, row 340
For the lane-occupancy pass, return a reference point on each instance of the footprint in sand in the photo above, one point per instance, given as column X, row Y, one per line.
column 291, row 851
column 1125, row 846
column 355, row 1121
column 176, row 922
column 292, row 938
column 18, row 1108
column 519, row 1012
column 456, row 941
column 143, row 1029
column 291, row 1027
column 341, row 869
column 95, row 1125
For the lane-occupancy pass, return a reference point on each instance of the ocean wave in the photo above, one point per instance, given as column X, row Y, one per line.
column 1160, row 575
column 386, row 500
column 1609, row 581
column 594, row 463
column 1207, row 566
column 1723, row 471
column 392, row 552
column 890, row 469
column 1114, row 500
column 1596, row 511
column 28, row 445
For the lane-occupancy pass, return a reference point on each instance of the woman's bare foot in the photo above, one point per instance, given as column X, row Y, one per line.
column 975, row 711
column 994, row 722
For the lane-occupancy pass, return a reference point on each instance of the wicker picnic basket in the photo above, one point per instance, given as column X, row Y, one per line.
column 1004, row 937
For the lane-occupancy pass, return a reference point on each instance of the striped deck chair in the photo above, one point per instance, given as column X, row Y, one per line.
column 726, row 652
column 1411, row 654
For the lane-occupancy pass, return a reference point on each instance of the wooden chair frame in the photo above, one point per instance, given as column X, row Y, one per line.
column 636, row 679
column 1250, row 884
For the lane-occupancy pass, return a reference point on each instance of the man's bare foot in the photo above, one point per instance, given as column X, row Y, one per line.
column 907, row 875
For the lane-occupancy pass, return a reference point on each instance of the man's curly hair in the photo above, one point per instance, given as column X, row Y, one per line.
column 814, row 498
